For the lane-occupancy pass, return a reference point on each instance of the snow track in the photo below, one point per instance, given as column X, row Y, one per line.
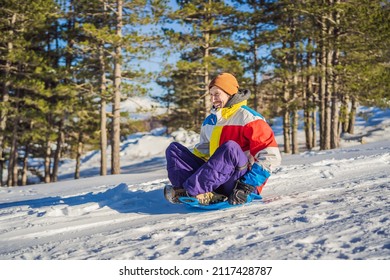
column 331, row 205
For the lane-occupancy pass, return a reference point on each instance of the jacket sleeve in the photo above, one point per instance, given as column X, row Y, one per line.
column 202, row 149
column 264, row 149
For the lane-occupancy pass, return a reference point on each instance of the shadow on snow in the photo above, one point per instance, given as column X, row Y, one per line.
column 118, row 198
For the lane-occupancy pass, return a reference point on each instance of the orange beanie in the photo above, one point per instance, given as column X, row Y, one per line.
column 227, row 82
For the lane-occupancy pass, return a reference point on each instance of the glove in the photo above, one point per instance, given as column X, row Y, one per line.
column 240, row 193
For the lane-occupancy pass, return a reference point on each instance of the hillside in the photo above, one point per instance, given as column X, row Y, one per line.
column 319, row 205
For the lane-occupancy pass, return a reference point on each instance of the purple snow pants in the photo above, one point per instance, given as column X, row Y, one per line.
column 218, row 174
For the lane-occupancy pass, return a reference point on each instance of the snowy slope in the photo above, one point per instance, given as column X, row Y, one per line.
column 318, row 205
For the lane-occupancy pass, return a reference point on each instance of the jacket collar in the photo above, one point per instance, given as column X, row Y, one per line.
column 235, row 102
column 240, row 96
column 227, row 112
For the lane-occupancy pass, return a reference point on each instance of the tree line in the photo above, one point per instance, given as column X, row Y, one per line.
column 64, row 62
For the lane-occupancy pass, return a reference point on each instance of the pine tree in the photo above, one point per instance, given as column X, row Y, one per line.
column 251, row 37
column 23, row 86
column 93, row 44
column 110, row 57
column 288, row 35
column 366, row 77
column 205, row 47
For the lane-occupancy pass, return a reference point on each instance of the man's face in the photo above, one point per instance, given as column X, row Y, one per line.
column 218, row 97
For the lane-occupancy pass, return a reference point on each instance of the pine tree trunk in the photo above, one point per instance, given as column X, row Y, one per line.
column 325, row 109
column 103, row 114
column 78, row 155
column 308, row 128
column 316, row 105
column 329, row 83
column 12, row 179
column 15, row 168
column 322, row 97
column 25, row 165
column 3, row 122
column 294, row 94
column 1, row 168
column 314, row 128
column 13, row 157
column 306, row 116
column 307, row 103
column 328, row 102
column 335, row 136
column 286, row 119
column 115, row 143
column 352, row 116
column 294, row 134
column 335, row 143
column 286, row 110
column 314, row 101
column 58, row 151
column 4, row 101
column 47, row 161
column 286, row 131
column 258, row 104
column 344, row 113
column 206, row 55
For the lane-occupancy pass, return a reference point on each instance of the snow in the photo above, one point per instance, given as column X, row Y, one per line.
column 319, row 205
column 140, row 107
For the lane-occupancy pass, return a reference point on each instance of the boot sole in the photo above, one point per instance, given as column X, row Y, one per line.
column 169, row 194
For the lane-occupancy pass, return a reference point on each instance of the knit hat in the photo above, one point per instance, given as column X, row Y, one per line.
column 227, row 82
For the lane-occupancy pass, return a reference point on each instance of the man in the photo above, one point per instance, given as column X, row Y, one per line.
column 236, row 153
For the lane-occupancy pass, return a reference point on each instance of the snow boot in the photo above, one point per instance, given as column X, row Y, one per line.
column 172, row 193
column 240, row 193
column 210, row 198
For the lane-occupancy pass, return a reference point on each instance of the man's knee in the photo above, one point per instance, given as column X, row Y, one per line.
column 174, row 146
column 231, row 145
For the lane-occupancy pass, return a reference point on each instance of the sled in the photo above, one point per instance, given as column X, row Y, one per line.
column 194, row 203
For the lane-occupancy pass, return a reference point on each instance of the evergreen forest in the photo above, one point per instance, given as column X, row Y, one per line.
column 66, row 66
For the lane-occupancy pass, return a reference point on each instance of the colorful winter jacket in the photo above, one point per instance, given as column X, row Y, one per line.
column 250, row 130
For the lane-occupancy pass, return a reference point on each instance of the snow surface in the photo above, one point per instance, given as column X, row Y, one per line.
column 318, row 205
